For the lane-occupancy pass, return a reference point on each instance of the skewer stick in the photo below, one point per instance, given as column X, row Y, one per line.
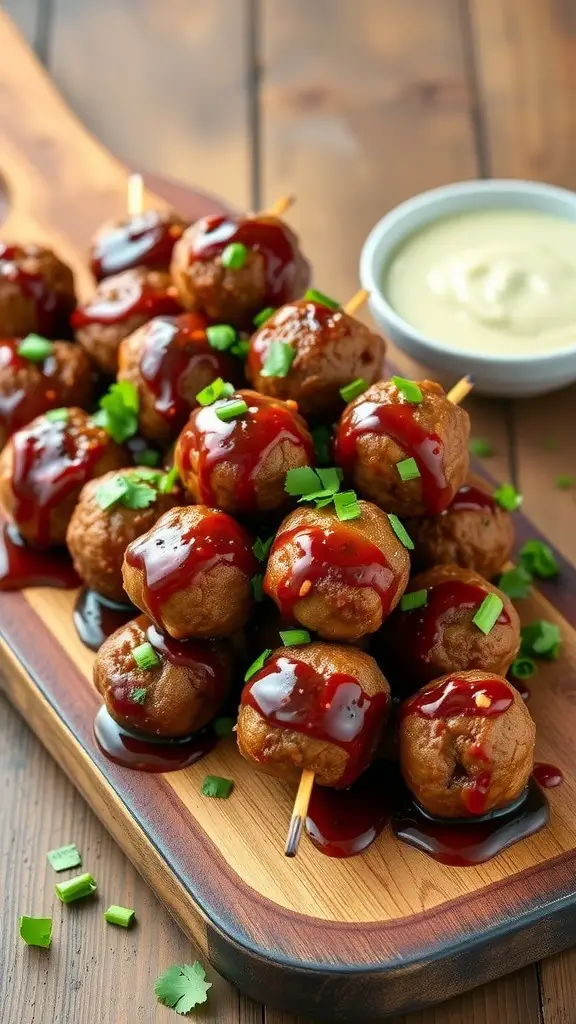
column 135, row 195
column 280, row 206
column 458, row 393
column 299, row 812
column 356, row 302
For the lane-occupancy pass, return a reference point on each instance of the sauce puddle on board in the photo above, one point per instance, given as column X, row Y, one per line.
column 149, row 753
column 96, row 618
column 22, row 566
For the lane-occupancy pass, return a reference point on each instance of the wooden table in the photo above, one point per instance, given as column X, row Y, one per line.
column 353, row 106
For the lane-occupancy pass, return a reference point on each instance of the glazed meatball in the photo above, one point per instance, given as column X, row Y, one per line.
column 44, row 467
column 105, row 521
column 466, row 744
column 474, row 532
column 169, row 360
column 316, row 706
column 328, row 349
column 240, row 464
column 232, row 267
column 178, row 695
column 191, row 573
column 119, row 306
column 36, row 292
column 340, row 579
column 139, row 240
column 382, row 428
column 29, row 388
column 439, row 634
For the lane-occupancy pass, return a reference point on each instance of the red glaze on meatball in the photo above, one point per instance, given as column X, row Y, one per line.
column 382, row 428
column 340, row 579
column 36, row 292
column 119, row 306
column 423, row 643
column 143, row 239
column 270, row 269
column 191, row 573
column 175, row 697
column 170, row 360
column 466, row 744
column 44, row 467
column 240, row 464
column 316, row 706
column 28, row 389
column 474, row 532
column 328, row 348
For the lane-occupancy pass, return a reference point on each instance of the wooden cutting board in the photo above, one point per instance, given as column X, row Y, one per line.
column 388, row 931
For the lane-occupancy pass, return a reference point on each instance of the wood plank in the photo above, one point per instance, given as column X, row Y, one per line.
column 557, row 981
column 165, row 86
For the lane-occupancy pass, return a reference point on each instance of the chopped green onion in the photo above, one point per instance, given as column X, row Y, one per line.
column 240, row 348
column 220, row 336
column 36, row 931
column 261, row 548
column 138, row 694
column 149, row 457
column 258, row 664
column 216, row 786
column 508, row 497
column 234, row 256
column 217, row 389
column 35, row 348
column 542, row 638
column 118, row 413
column 224, row 726
column 279, row 359
column 523, row 668
column 539, row 559
column 145, row 656
column 258, row 587
column 264, row 315
column 488, row 613
column 122, row 916
column 481, row 447
column 409, row 389
column 400, row 531
column 515, row 583
column 415, row 599
column 408, row 469
column 168, row 481
column 351, row 391
column 293, row 637
column 565, row 481
column 231, row 410
column 302, row 480
column 64, row 858
column 75, row 888
column 323, row 300
column 58, row 415
column 322, row 438
column 347, row 505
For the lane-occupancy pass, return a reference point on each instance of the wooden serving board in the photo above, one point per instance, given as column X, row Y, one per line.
column 388, row 931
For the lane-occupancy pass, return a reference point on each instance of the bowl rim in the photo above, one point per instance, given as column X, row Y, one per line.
column 427, row 201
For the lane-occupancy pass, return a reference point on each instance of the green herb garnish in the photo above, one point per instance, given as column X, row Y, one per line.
column 217, row 389
column 118, row 413
column 149, row 457
column 125, row 489
column 258, row 587
column 481, row 447
column 240, row 348
column 523, row 668
column 293, row 637
column 565, row 481
column 122, row 916
column 264, row 315
column 351, row 391
column 323, row 300
column 182, row 987
column 257, row 664
column 508, row 497
column 64, row 858
column 488, row 613
column 322, row 437
column 409, row 389
column 220, row 336
column 347, row 505
column 302, row 480
column 515, row 582
column 541, row 638
column 261, row 548
column 234, row 256
column 415, row 599
column 279, row 359
column 539, row 559
column 224, row 726
column 145, row 656
column 168, row 481
column 217, row 787
column 75, row 888
column 400, row 531
column 408, row 469
column 36, row 931
column 34, row 348
column 138, row 693
column 58, row 415
column 227, row 411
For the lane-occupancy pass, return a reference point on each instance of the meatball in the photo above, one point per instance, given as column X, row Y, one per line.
column 44, row 467
column 240, row 464
column 177, row 695
column 232, row 267
column 29, row 388
column 338, row 578
column 439, row 634
column 139, row 240
column 382, row 429
column 466, row 744
column 335, row 701
column 191, row 573
column 119, row 306
column 474, row 532
column 106, row 520
column 169, row 360
column 328, row 349
column 36, row 292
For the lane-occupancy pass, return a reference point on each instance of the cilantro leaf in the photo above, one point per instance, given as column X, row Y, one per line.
column 126, row 489
column 118, row 412
column 182, row 987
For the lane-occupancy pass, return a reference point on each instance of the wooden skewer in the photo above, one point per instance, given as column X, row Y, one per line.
column 280, row 206
column 135, row 195
column 356, row 302
column 458, row 393
column 299, row 812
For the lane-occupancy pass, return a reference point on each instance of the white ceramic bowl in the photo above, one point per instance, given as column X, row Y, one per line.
column 494, row 374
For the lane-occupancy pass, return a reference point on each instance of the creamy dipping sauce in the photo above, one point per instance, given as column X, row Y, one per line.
column 495, row 280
